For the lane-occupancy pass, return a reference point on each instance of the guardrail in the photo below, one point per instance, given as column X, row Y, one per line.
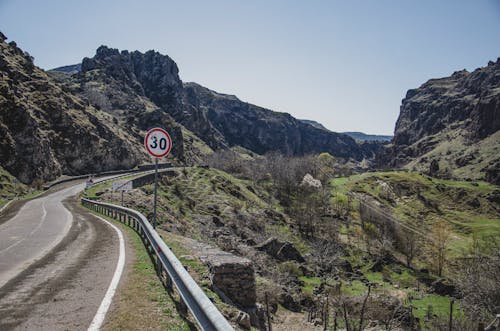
column 143, row 168
column 169, row 269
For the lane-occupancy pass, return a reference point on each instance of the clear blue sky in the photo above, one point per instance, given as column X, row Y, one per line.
column 346, row 64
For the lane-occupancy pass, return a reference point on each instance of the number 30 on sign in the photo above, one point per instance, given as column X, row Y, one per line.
column 158, row 142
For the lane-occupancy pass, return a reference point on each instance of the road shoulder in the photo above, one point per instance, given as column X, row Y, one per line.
column 141, row 301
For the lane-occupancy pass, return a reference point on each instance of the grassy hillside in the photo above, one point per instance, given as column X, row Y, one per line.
column 9, row 187
column 471, row 209
column 236, row 214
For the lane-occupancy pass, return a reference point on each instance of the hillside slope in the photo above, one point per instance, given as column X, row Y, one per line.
column 449, row 127
column 46, row 131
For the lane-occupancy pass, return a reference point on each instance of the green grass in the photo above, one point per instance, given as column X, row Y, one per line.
column 405, row 279
column 92, row 191
column 428, row 200
column 355, row 287
column 310, row 283
column 440, row 306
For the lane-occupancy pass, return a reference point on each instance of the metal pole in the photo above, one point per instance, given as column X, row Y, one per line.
column 156, row 188
column 122, row 197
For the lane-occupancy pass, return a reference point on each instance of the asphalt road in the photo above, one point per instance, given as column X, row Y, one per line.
column 56, row 263
column 36, row 229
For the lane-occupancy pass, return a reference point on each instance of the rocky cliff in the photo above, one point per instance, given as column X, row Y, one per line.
column 262, row 130
column 220, row 120
column 449, row 127
column 46, row 131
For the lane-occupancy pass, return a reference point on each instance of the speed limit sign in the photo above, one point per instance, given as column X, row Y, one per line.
column 158, row 142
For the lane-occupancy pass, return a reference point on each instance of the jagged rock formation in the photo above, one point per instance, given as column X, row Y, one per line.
column 262, row 130
column 449, row 127
column 46, row 131
column 220, row 120
column 116, row 83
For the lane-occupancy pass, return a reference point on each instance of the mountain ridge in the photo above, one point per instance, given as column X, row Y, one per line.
column 450, row 127
column 218, row 119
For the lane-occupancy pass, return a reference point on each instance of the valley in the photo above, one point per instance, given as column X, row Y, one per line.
column 281, row 222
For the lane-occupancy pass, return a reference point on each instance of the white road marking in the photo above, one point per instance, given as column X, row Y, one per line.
column 108, row 297
column 31, row 233
column 6, row 205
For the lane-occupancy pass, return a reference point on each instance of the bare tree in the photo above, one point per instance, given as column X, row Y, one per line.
column 479, row 277
column 440, row 234
column 410, row 245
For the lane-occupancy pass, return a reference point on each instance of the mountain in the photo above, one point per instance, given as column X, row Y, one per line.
column 449, row 127
column 92, row 117
column 367, row 137
column 70, row 69
column 261, row 130
column 121, row 82
column 315, row 124
column 46, row 131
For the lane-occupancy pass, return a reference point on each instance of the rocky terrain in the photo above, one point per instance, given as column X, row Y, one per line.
column 107, row 102
column 220, row 120
column 46, row 131
column 315, row 243
column 449, row 127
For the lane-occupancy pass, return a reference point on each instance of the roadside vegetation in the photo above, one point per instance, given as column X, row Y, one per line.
column 392, row 249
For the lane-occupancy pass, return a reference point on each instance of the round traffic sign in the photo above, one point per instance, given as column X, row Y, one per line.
column 158, row 142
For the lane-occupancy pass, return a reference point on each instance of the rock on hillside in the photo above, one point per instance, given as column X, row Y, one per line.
column 368, row 137
column 46, row 131
column 449, row 127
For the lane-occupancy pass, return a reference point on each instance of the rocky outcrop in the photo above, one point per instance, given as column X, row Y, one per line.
column 282, row 251
column 139, row 91
column 262, row 130
column 221, row 121
column 449, row 127
column 46, row 131
column 135, row 81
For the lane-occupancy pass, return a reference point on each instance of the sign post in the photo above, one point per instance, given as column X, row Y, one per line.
column 122, row 186
column 158, row 144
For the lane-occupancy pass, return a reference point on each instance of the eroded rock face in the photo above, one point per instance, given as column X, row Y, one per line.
column 262, row 130
column 282, row 251
column 450, row 126
column 46, row 131
column 220, row 120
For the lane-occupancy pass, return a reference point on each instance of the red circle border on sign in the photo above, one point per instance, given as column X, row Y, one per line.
column 146, row 144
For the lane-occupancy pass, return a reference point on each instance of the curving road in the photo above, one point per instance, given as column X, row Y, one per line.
column 56, row 263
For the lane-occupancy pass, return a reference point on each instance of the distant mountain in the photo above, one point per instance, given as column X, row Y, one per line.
column 70, row 69
column 314, row 123
column 450, row 127
column 367, row 137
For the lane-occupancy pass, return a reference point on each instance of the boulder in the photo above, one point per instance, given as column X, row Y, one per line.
column 282, row 251
column 243, row 320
